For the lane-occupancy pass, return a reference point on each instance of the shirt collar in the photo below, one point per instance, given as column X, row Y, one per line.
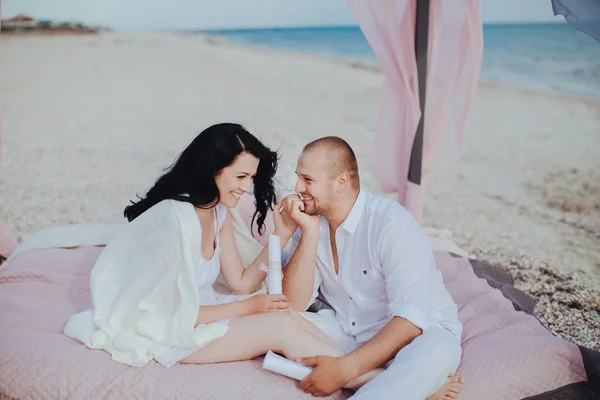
column 353, row 218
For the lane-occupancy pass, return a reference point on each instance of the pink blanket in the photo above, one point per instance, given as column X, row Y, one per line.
column 507, row 354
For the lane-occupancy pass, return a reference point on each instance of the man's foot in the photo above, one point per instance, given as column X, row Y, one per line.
column 449, row 390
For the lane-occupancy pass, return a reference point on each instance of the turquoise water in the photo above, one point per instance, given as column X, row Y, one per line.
column 554, row 57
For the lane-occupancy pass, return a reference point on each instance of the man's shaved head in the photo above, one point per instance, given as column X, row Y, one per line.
column 340, row 157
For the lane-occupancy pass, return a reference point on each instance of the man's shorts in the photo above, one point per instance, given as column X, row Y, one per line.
column 326, row 321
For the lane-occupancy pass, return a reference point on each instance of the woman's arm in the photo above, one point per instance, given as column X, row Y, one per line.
column 240, row 280
column 254, row 305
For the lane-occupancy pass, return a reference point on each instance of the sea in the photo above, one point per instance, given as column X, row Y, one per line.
column 551, row 57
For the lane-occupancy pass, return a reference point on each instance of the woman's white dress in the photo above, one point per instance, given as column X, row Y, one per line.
column 206, row 274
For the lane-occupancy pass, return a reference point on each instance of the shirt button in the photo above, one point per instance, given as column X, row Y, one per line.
column 364, row 271
column 354, row 323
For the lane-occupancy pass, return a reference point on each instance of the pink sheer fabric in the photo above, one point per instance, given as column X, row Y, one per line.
column 7, row 242
column 455, row 51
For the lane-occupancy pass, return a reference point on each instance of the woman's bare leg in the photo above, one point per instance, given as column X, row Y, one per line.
column 254, row 335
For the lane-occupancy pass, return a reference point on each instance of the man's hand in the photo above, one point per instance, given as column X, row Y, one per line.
column 294, row 207
column 330, row 375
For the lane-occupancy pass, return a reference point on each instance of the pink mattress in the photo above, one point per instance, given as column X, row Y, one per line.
column 507, row 354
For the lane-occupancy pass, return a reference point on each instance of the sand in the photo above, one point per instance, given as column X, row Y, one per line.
column 89, row 121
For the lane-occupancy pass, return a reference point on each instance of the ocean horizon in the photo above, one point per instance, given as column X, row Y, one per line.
column 546, row 56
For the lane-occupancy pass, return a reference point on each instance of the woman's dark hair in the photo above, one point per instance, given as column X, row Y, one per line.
column 191, row 178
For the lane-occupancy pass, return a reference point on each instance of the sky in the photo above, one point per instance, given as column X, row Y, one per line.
column 225, row 14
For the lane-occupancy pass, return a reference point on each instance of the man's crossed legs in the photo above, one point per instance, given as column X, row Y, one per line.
column 420, row 370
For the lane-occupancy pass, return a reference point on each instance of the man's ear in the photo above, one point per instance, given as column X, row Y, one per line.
column 343, row 181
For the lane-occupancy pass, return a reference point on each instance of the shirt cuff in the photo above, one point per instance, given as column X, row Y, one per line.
column 412, row 314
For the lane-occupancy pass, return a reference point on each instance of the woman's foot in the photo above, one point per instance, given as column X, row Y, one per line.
column 449, row 390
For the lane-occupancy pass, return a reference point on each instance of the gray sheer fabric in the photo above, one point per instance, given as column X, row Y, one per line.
column 582, row 14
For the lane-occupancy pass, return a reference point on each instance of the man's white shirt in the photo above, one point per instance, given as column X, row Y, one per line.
column 386, row 269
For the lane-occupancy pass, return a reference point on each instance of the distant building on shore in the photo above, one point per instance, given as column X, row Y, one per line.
column 25, row 23
column 45, row 24
column 19, row 22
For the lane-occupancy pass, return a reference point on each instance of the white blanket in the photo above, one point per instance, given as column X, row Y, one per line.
column 66, row 236
column 144, row 294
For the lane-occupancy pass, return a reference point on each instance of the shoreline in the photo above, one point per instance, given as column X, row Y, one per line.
column 372, row 66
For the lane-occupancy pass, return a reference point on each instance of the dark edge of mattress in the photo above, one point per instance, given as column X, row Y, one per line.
column 586, row 390
column 591, row 363
column 573, row 391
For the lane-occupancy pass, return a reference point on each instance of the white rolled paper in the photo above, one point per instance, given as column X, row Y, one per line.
column 274, row 278
column 281, row 365
column 274, row 250
column 274, row 274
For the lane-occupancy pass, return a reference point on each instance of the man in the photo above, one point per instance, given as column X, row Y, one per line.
column 373, row 265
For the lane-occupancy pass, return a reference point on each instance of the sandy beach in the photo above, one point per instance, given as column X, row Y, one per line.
column 89, row 121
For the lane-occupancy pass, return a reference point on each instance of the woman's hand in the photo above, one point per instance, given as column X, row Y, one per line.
column 266, row 302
